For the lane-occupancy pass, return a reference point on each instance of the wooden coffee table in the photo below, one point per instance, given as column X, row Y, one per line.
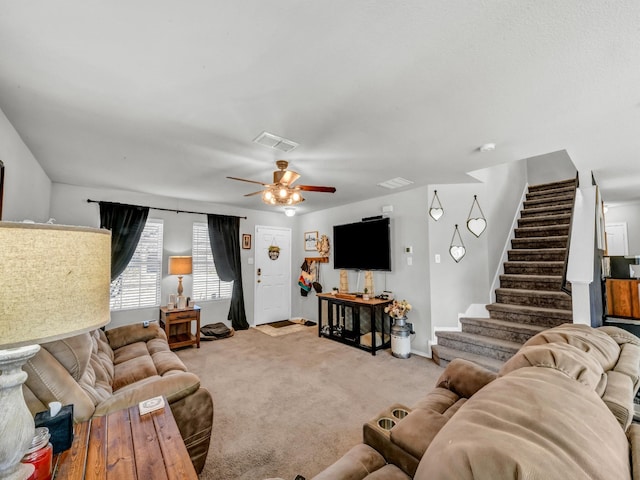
column 124, row 445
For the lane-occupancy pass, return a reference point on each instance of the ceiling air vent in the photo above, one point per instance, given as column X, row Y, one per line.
column 274, row 141
column 395, row 183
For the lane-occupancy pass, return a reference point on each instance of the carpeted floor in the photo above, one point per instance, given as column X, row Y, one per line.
column 294, row 404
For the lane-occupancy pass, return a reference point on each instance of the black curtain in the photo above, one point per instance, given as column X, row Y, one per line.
column 126, row 223
column 224, row 236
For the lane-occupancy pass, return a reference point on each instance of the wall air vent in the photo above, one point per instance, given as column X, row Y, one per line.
column 274, row 141
column 395, row 183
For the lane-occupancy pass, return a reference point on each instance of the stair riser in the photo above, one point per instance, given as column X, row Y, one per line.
column 551, row 192
column 552, row 285
column 552, row 186
column 544, row 221
column 552, row 210
column 548, row 231
column 549, row 242
column 499, row 333
column 537, row 256
column 564, row 202
column 535, row 268
column 545, row 321
column 476, row 349
column 534, row 301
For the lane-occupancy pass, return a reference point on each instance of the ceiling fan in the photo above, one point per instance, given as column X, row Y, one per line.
column 282, row 191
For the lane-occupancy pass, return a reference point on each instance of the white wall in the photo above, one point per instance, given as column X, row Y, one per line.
column 455, row 286
column 629, row 213
column 27, row 188
column 550, row 167
column 409, row 227
column 69, row 206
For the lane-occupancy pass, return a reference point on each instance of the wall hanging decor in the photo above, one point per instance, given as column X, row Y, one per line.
column 246, row 241
column 273, row 250
column 435, row 210
column 310, row 240
column 478, row 224
column 322, row 246
column 456, row 249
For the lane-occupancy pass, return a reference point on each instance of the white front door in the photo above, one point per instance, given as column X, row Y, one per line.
column 272, row 276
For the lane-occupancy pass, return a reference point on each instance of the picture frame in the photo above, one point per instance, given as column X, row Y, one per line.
column 310, row 240
column 246, row 241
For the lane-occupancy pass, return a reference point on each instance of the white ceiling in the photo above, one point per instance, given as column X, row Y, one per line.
column 165, row 97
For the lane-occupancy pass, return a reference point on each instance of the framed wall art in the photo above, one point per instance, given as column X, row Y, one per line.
column 246, row 241
column 310, row 240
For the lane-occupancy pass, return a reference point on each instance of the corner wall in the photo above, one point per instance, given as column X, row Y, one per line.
column 27, row 188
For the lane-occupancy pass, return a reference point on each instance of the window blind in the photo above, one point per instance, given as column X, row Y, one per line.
column 206, row 283
column 139, row 284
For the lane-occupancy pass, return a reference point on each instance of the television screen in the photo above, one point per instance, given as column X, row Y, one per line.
column 363, row 245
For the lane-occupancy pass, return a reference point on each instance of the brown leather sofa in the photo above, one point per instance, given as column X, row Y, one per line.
column 561, row 408
column 101, row 372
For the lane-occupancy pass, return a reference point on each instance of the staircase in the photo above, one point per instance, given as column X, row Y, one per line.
column 530, row 297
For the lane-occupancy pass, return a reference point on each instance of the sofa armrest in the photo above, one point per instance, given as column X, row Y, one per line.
column 356, row 464
column 127, row 334
column 464, row 378
column 633, row 434
column 173, row 387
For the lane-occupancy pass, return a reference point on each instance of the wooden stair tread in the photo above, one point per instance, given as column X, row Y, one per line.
column 538, row 311
column 533, row 292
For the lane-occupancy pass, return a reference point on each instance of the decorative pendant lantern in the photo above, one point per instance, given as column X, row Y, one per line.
column 435, row 210
column 478, row 224
column 456, row 249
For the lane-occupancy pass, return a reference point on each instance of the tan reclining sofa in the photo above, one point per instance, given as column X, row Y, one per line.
column 561, row 408
column 101, row 372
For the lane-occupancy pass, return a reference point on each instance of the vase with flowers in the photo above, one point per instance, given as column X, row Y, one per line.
column 400, row 330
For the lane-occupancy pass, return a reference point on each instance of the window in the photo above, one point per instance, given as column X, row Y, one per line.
column 206, row 283
column 139, row 284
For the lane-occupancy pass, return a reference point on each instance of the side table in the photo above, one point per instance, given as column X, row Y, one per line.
column 125, row 445
column 177, row 326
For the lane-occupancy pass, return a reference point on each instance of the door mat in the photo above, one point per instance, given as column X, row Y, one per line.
column 291, row 327
column 280, row 324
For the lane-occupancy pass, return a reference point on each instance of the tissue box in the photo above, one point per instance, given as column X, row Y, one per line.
column 60, row 427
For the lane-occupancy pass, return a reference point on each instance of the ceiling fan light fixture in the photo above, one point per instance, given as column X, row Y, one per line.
column 296, row 197
column 283, row 193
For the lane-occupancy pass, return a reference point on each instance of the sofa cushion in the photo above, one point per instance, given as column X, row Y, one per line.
column 597, row 343
column 356, row 464
column 72, row 353
column 534, row 423
column 568, row 359
column 628, row 362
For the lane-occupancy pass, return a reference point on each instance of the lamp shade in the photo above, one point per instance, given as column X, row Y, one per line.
column 54, row 282
column 179, row 265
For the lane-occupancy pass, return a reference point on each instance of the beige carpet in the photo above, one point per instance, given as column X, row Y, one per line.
column 294, row 404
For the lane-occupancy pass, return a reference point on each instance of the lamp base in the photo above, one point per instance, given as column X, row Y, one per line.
column 180, row 289
column 16, row 422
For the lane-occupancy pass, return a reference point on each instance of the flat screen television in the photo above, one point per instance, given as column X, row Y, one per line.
column 363, row 245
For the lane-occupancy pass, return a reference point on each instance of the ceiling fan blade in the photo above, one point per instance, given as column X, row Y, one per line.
column 253, row 193
column 250, row 181
column 315, row 188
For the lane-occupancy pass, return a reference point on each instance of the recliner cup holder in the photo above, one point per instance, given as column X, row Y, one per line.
column 399, row 413
column 386, row 423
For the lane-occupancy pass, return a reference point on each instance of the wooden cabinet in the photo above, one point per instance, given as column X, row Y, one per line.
column 354, row 321
column 177, row 325
column 623, row 298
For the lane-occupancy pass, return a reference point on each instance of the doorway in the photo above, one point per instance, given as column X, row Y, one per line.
column 617, row 242
column 272, row 276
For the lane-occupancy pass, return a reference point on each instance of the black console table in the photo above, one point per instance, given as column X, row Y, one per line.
column 354, row 321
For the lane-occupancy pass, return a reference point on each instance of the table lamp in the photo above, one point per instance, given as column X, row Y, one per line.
column 54, row 283
column 180, row 266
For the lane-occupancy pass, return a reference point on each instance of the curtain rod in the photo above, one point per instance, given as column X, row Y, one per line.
column 164, row 209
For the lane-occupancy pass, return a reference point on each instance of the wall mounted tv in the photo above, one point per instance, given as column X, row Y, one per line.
column 363, row 245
